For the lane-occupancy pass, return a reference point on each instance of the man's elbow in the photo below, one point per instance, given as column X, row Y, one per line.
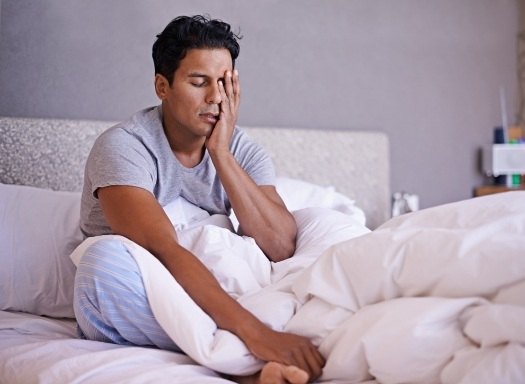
column 282, row 248
column 287, row 250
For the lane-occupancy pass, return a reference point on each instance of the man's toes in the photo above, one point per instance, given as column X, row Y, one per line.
column 275, row 373
column 295, row 375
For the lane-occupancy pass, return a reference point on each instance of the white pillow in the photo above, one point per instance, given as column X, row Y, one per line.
column 39, row 228
column 318, row 228
column 299, row 194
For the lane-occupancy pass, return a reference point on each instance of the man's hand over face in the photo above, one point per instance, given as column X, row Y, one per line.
column 230, row 91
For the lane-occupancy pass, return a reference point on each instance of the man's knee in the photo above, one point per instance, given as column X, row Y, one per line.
column 105, row 274
column 110, row 299
column 107, row 259
column 107, row 269
column 104, row 253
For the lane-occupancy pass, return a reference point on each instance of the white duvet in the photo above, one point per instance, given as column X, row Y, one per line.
column 433, row 296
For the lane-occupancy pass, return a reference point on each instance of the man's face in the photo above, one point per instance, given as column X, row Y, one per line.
column 191, row 105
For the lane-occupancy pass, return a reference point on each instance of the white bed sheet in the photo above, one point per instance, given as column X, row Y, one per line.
column 36, row 349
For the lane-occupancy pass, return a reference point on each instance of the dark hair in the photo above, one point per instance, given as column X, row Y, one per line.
column 190, row 32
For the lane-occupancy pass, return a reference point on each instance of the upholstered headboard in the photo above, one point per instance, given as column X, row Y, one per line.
column 50, row 153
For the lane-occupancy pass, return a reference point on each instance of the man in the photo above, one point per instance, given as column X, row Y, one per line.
column 187, row 147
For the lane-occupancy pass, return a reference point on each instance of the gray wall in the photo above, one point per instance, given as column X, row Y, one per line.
column 427, row 72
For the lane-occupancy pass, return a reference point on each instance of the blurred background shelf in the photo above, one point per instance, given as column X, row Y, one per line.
column 490, row 189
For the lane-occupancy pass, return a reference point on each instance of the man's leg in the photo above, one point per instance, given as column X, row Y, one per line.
column 110, row 301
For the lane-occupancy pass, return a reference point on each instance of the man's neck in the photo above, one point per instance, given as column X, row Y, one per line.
column 188, row 149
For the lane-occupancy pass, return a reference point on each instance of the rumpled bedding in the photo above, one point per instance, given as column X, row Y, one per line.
column 432, row 296
column 243, row 271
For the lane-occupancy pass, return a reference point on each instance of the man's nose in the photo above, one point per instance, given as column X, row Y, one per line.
column 214, row 95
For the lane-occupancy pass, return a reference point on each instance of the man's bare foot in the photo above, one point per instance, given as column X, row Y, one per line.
column 275, row 373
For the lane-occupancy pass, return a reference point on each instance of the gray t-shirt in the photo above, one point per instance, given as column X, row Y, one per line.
column 137, row 153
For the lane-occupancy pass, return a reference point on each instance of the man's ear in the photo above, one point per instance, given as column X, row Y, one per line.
column 161, row 86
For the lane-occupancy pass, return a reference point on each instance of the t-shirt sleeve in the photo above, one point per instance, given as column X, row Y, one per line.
column 119, row 158
column 253, row 158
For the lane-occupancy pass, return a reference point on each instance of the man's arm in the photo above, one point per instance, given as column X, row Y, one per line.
column 261, row 212
column 135, row 213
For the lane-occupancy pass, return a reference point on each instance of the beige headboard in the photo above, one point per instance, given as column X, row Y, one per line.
column 50, row 153
column 356, row 163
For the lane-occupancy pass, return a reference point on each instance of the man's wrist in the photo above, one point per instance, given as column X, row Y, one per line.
column 252, row 332
column 221, row 156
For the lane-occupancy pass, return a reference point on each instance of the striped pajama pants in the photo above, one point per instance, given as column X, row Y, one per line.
column 110, row 300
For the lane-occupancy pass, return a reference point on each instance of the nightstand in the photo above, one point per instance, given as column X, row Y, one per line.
column 490, row 189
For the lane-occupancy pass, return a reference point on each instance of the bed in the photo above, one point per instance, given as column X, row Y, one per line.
column 436, row 295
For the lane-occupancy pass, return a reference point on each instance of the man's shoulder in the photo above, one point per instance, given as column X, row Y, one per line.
column 139, row 125
column 143, row 122
column 240, row 136
column 241, row 141
column 115, row 135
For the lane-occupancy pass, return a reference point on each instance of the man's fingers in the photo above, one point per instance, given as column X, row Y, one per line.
column 316, row 363
column 236, row 85
column 226, row 92
column 319, row 358
column 222, row 91
column 232, row 89
column 228, row 85
column 310, row 360
column 229, row 90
